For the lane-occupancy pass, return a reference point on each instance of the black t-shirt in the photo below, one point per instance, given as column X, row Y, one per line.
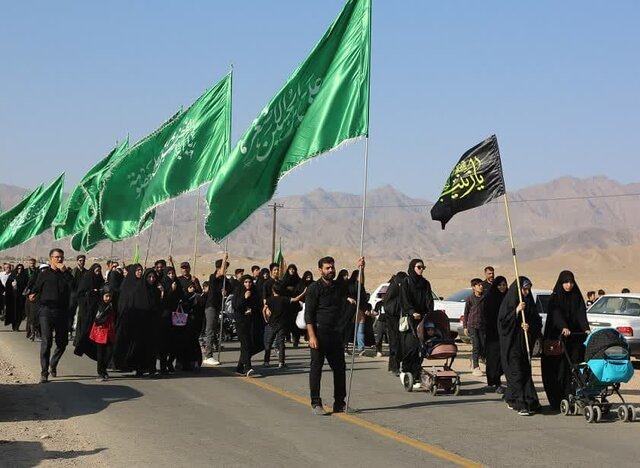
column 280, row 306
column 267, row 288
column 325, row 304
column 214, row 298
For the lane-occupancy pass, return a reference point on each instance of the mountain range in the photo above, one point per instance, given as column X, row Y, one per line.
column 564, row 215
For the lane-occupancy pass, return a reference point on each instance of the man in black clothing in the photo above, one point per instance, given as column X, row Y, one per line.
column 325, row 303
column 489, row 275
column 52, row 291
column 76, row 273
column 186, row 279
column 217, row 290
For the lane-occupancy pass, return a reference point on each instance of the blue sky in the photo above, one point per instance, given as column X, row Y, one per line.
column 558, row 82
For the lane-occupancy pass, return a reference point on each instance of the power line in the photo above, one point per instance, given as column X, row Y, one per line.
column 427, row 205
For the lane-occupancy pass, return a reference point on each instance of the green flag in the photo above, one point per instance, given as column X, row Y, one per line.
column 36, row 217
column 80, row 208
column 279, row 259
column 8, row 216
column 323, row 104
column 136, row 254
column 181, row 156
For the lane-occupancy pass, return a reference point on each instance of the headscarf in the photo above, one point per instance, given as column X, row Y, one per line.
column 512, row 298
column 566, row 309
column 129, row 289
column 412, row 268
column 307, row 278
column 291, row 280
column 90, row 280
column 494, row 297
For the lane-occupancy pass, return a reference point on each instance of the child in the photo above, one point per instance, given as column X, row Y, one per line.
column 432, row 337
column 103, row 333
column 276, row 314
column 473, row 323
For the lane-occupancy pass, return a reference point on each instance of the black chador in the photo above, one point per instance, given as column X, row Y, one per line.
column 520, row 393
column 567, row 310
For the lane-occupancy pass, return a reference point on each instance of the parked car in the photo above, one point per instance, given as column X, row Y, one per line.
column 541, row 298
column 450, row 307
column 619, row 311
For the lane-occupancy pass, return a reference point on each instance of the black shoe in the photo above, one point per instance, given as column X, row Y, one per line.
column 54, row 372
column 44, row 379
column 343, row 409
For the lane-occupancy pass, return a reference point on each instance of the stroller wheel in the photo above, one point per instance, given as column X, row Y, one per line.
column 565, row 407
column 623, row 413
column 407, row 380
column 631, row 413
column 434, row 389
column 589, row 413
column 598, row 414
column 456, row 389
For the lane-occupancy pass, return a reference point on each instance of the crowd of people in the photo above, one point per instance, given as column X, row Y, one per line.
column 155, row 321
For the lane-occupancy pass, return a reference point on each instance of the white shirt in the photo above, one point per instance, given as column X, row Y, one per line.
column 4, row 276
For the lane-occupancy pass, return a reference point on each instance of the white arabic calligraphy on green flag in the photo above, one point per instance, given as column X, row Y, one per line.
column 36, row 217
column 81, row 207
column 324, row 103
column 180, row 157
column 10, row 214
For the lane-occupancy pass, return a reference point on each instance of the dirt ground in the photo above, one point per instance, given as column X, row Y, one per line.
column 33, row 429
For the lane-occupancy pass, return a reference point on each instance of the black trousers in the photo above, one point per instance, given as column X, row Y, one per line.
column 393, row 335
column 52, row 321
column 103, row 358
column 275, row 333
column 331, row 347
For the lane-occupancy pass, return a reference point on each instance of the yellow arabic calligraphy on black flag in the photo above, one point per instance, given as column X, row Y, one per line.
column 477, row 179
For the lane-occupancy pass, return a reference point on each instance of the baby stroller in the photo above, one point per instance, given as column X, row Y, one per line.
column 607, row 365
column 440, row 377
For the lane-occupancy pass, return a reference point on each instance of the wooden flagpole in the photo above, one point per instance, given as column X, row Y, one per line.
column 173, row 223
column 515, row 266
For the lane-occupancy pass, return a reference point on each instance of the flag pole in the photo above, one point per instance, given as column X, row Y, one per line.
column 515, row 266
column 173, row 223
column 111, row 253
column 224, row 285
column 195, row 234
column 360, row 268
column 146, row 255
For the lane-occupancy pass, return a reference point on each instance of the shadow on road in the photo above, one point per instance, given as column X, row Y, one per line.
column 25, row 454
column 31, row 402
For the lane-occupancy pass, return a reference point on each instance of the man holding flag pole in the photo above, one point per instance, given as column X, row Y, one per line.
column 477, row 179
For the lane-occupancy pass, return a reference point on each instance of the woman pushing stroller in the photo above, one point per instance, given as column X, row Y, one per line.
column 416, row 302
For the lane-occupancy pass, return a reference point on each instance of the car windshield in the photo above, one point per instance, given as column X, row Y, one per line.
column 460, row 296
column 615, row 305
column 383, row 291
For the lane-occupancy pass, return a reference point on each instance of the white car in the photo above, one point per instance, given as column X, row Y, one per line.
column 540, row 296
column 619, row 311
column 451, row 307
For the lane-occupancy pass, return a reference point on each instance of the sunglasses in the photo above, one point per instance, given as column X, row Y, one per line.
column 420, row 267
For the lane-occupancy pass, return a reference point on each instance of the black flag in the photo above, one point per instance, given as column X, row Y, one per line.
column 476, row 180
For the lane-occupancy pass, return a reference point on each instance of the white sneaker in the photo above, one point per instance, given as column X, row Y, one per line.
column 477, row 372
column 250, row 372
column 210, row 362
column 378, row 354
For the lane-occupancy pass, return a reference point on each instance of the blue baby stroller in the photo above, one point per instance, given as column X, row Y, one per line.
column 607, row 365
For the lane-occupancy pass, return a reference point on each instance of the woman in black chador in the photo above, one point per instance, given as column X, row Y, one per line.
column 567, row 317
column 14, row 300
column 492, row 301
column 416, row 302
column 139, row 302
column 168, row 335
column 89, row 297
column 520, row 394
column 247, row 306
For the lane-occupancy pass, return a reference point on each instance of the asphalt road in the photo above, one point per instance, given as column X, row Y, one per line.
column 213, row 418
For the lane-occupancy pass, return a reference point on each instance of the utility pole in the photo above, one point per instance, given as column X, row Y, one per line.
column 275, row 207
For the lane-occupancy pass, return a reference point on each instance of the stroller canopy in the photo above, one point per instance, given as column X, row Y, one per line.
column 598, row 342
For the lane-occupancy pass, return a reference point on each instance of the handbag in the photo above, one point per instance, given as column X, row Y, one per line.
column 300, row 321
column 179, row 318
column 403, row 324
column 552, row 347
